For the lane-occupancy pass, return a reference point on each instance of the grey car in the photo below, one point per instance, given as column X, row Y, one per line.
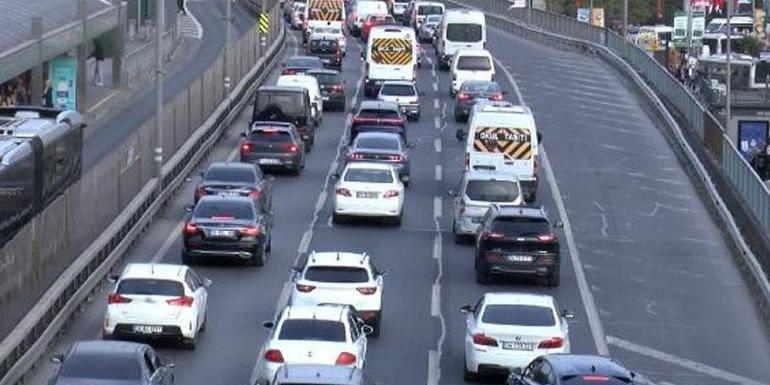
column 307, row 374
column 113, row 363
column 382, row 147
column 274, row 145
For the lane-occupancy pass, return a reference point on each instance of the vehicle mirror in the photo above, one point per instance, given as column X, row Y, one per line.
column 334, row 176
column 113, row 278
column 539, row 137
column 568, row 314
column 366, row 329
column 268, row 324
column 558, row 224
column 57, row 358
column 404, row 178
column 383, row 273
column 466, row 309
column 243, row 134
column 207, row 282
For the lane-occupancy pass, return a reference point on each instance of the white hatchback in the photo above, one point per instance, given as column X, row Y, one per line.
column 343, row 278
column 504, row 331
column 326, row 335
column 152, row 301
column 471, row 64
column 369, row 190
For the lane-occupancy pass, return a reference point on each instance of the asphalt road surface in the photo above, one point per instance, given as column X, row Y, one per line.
column 645, row 267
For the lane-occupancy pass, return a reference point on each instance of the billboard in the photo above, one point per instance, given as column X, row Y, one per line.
column 63, row 74
column 597, row 17
column 584, row 15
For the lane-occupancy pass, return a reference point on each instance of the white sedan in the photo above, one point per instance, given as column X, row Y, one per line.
column 153, row 301
column 369, row 190
column 344, row 278
column 504, row 331
column 326, row 335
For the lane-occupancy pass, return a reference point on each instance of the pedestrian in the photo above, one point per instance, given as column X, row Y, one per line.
column 760, row 162
column 47, row 94
column 99, row 56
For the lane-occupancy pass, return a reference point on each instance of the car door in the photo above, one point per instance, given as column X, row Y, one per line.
column 199, row 293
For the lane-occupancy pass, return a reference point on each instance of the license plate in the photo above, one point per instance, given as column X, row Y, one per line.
column 519, row 258
column 518, row 345
column 325, row 98
column 269, row 161
column 229, row 193
column 148, row 329
column 222, row 233
column 325, row 61
column 366, row 194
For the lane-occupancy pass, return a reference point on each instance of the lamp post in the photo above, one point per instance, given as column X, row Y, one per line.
column 729, row 67
column 160, row 26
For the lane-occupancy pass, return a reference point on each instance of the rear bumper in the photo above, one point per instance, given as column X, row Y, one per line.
column 410, row 110
column 241, row 250
column 502, row 267
column 272, row 160
column 126, row 331
column 367, row 207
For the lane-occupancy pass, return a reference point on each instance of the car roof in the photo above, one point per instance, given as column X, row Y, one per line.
column 281, row 88
column 231, row 165
column 490, row 175
column 518, row 298
column 107, row 347
column 520, row 211
column 399, row 82
column 274, row 126
column 154, row 270
column 369, row 165
column 378, row 105
column 337, row 258
column 330, row 312
column 324, row 36
column 473, row 52
column 581, row 364
column 317, row 374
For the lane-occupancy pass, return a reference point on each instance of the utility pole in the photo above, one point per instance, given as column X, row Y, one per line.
column 529, row 11
column 228, row 18
column 625, row 21
column 159, row 27
column 729, row 53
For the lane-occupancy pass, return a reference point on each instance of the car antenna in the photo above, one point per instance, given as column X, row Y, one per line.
column 593, row 368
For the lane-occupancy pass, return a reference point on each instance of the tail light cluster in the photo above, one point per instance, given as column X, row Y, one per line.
column 255, row 194
column 246, row 147
column 345, row 358
column 498, row 96
column 337, row 88
column 181, row 301
column 251, row 231
column 190, row 228
column 343, row 191
column 546, row 238
column 395, row 158
column 356, row 156
column 288, row 71
column 481, row 339
column 305, row 288
column 366, row 290
column 492, row 235
column 463, row 96
column 551, row 343
column 113, row 299
column 274, row 356
column 390, row 194
column 291, row 147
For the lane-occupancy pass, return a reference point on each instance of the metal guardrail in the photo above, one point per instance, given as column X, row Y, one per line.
column 23, row 347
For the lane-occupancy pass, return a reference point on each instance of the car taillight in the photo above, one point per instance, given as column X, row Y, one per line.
column 291, row 147
column 463, row 96
column 343, row 191
column 367, row 24
column 356, row 156
column 345, row 358
column 546, row 237
column 551, row 343
column 595, row 378
column 181, row 301
column 245, row 147
column 288, row 71
column 390, row 194
column 394, row 158
column 367, row 290
column 274, row 355
column 251, row 231
column 117, row 299
column 305, row 288
column 481, row 339
column 190, row 228
column 492, row 235
column 256, row 193
column 337, row 88
column 497, row 97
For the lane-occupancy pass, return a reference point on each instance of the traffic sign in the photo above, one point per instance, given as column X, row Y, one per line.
column 264, row 22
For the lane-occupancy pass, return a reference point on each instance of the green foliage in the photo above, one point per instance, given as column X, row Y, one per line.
column 751, row 45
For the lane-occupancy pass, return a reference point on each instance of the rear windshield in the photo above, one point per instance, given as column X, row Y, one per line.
column 224, row 209
column 487, row 87
column 521, row 226
column 378, row 143
column 368, row 176
column 230, row 174
column 336, row 274
column 312, row 330
column 270, row 136
column 323, row 45
column 520, row 315
column 382, row 114
column 329, row 30
column 398, row 90
column 290, row 104
column 141, row 286
column 433, row 19
column 465, row 33
column 307, row 62
column 429, row 10
column 492, row 190
column 474, row 63
column 102, row 366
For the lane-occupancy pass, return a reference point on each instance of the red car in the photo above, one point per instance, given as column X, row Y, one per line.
column 375, row 20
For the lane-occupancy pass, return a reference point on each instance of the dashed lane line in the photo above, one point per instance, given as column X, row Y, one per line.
column 438, row 173
column 437, row 145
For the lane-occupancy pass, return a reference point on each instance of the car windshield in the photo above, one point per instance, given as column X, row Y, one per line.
column 312, row 330
column 305, row 62
column 378, row 114
column 289, row 104
column 482, row 87
column 429, row 10
column 378, row 143
column 102, row 366
column 223, row 209
column 398, row 90
column 521, row 226
column 366, row 175
column 474, row 63
column 339, row 274
column 520, row 315
column 230, row 174
column 464, row 33
column 492, row 190
column 141, row 286
column 272, row 136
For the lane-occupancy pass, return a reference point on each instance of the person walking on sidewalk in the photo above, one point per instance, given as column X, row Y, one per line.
column 99, row 56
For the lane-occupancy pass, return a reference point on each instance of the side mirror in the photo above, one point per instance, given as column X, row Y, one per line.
column 367, row 330
column 334, row 176
column 268, row 324
column 539, row 137
column 189, row 208
column 466, row 309
column 243, row 134
column 113, row 278
column 568, row 314
column 558, row 224
column 57, row 358
column 207, row 282
column 404, row 178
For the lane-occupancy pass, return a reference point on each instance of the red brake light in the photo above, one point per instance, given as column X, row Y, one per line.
column 345, row 358
column 251, row 231
column 463, row 96
column 274, row 355
column 546, row 238
column 394, row 158
column 497, row 97
column 356, row 156
column 551, row 343
column 343, row 191
column 245, row 147
column 256, row 193
column 288, row 71
column 181, row 301
column 390, row 194
column 117, row 299
column 291, row 147
column 595, row 378
column 305, row 288
column 481, row 339
column 337, row 87
column 492, row 235
column 367, row 290
column 190, row 228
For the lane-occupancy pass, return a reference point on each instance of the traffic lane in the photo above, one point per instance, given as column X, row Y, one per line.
column 637, row 216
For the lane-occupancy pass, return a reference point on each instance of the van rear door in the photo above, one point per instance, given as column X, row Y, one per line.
column 505, row 149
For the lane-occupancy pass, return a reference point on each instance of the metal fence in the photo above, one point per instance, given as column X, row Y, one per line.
column 752, row 191
column 59, row 258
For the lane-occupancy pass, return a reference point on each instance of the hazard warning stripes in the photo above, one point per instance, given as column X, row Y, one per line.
column 264, row 22
column 326, row 10
column 392, row 51
column 514, row 142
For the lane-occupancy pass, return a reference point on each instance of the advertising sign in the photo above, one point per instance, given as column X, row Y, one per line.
column 698, row 27
column 597, row 17
column 518, row 3
column 63, row 73
column 760, row 23
column 680, row 29
column 752, row 136
column 584, row 15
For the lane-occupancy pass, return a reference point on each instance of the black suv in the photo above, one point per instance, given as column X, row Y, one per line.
column 517, row 240
column 327, row 49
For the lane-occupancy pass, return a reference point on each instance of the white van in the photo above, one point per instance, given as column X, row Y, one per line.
column 459, row 29
column 422, row 9
column 505, row 140
column 471, row 64
column 309, row 83
column 391, row 54
column 362, row 11
column 322, row 13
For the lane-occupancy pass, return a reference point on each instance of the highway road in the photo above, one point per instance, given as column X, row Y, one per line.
column 645, row 266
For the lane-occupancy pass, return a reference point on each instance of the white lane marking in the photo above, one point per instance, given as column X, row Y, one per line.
column 438, row 249
column 438, row 173
column 605, row 224
column 434, row 367
column 433, row 72
column 437, row 145
column 434, row 356
column 437, row 123
column 435, row 86
column 436, row 104
column 198, row 26
column 683, row 362
column 592, row 312
column 305, row 242
column 437, row 209
column 435, row 300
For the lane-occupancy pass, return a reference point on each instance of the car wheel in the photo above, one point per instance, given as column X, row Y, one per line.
column 187, row 259
column 459, row 134
column 468, row 375
column 397, row 220
column 554, row 277
column 205, row 322
column 376, row 326
column 482, row 274
column 188, row 343
column 258, row 257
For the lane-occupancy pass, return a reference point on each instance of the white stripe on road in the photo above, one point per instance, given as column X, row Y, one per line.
column 438, row 173
column 437, row 123
column 437, row 209
column 435, row 86
column 436, row 104
column 437, row 145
